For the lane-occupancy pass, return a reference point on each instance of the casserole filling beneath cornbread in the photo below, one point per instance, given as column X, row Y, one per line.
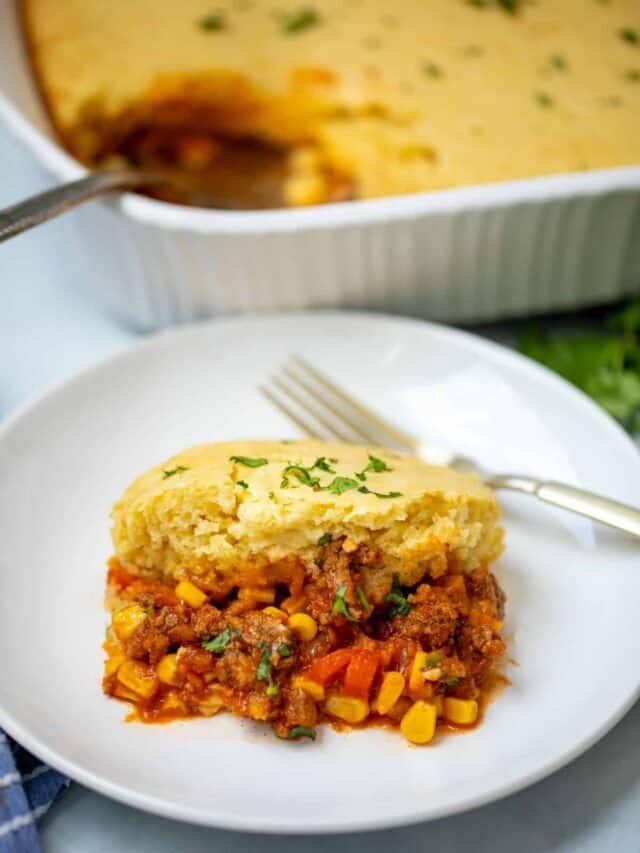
column 295, row 583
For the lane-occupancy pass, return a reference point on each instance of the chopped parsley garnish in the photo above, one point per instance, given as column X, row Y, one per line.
column 219, row 643
column 400, row 606
column 323, row 465
column 366, row 491
column 273, row 689
column 212, row 22
column 242, row 484
column 171, row 471
column 376, row 466
column 300, row 473
column 340, row 485
column 296, row 22
column 451, row 682
column 629, row 35
column 263, row 670
column 340, row 606
column 510, row 6
column 301, row 731
column 605, row 365
column 362, row 598
column 325, row 539
column 558, row 61
column 433, row 660
column 284, row 650
column 431, row 69
column 249, row 461
column 543, row 99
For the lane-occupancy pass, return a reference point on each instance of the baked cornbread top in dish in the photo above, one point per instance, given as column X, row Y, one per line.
column 369, row 100
column 218, row 511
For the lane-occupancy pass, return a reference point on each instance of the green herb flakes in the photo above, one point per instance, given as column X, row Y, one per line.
column 376, row 466
column 629, row 35
column 263, row 670
column 242, row 484
column 219, row 643
column 452, row 682
column 340, row 485
column 172, row 471
column 543, row 99
column 340, row 606
column 325, row 539
column 400, row 606
column 212, row 22
column 285, row 651
column 301, row 731
column 297, row 22
column 433, row 660
column 362, row 598
column 272, row 690
column 558, row 61
column 366, row 491
column 249, row 461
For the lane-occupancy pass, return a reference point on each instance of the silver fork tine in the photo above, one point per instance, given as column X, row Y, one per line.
column 333, row 429
column 331, row 407
column 303, row 425
column 398, row 435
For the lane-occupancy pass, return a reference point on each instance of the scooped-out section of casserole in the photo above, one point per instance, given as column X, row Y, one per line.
column 297, row 583
column 261, row 104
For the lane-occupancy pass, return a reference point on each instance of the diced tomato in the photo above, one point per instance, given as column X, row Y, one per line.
column 360, row 673
column 117, row 575
column 327, row 668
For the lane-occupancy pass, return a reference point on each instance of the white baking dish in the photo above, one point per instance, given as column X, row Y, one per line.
column 468, row 254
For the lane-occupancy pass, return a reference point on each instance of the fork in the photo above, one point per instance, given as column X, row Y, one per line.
column 322, row 409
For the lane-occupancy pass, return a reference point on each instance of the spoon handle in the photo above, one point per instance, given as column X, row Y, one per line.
column 32, row 211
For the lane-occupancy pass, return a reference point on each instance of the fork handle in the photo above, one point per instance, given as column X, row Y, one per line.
column 614, row 514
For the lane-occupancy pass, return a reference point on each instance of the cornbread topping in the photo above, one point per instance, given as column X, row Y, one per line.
column 339, row 99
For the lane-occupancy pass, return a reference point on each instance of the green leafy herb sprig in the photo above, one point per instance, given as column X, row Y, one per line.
column 606, row 366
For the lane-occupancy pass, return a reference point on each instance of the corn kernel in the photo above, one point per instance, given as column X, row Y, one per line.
column 464, row 712
column 439, row 703
column 167, row 668
column 258, row 707
column 434, row 674
column 123, row 692
column 419, row 723
column 190, row 594
column 390, row 691
column 303, row 626
column 257, row 595
column 126, row 621
column 276, row 613
column 311, row 688
column 173, row 704
column 416, row 676
column 139, row 678
column 347, row 708
column 113, row 663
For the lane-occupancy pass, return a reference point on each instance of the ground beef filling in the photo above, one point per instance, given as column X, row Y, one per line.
column 324, row 653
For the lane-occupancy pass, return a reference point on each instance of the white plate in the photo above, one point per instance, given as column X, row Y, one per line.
column 572, row 588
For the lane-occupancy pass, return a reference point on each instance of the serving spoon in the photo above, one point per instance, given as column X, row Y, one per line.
column 50, row 203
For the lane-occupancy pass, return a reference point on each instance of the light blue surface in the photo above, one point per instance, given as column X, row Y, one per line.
column 48, row 331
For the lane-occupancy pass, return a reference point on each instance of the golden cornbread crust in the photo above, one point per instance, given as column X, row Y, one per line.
column 428, row 94
column 202, row 515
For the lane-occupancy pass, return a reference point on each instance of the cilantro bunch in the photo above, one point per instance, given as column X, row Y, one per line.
column 605, row 366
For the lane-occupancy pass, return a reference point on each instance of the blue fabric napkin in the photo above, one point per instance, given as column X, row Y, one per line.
column 27, row 789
